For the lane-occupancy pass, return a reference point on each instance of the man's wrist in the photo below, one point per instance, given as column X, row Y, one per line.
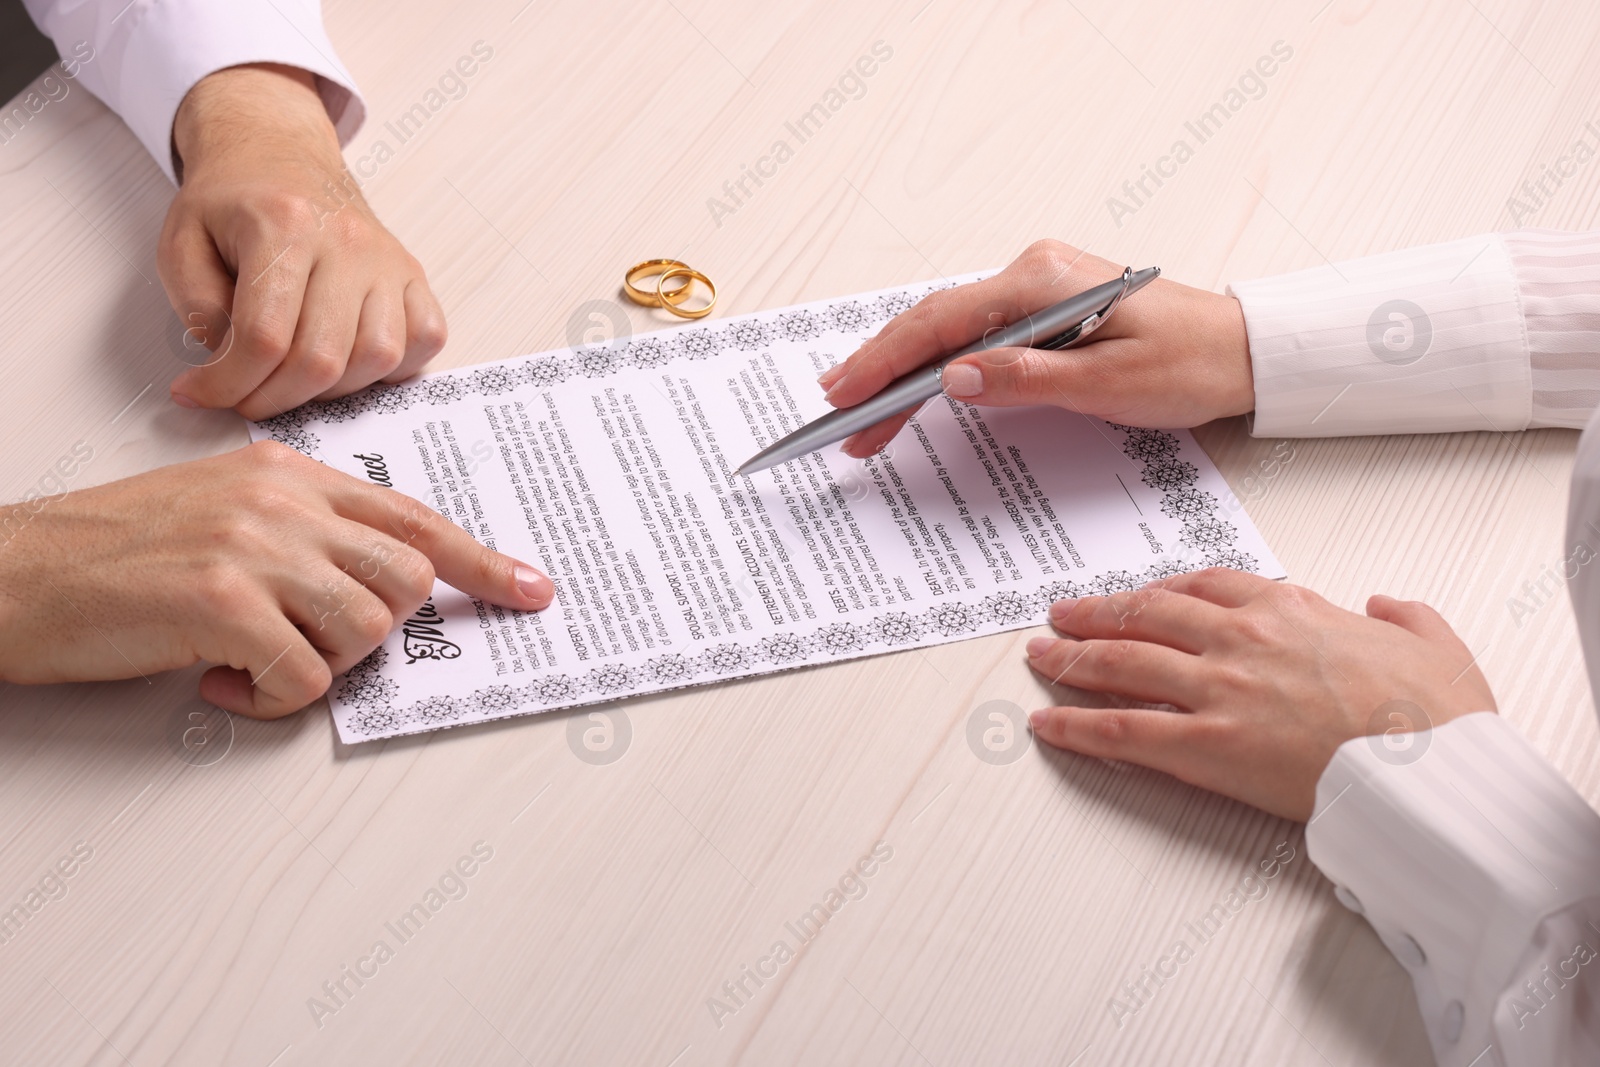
column 247, row 106
column 11, row 580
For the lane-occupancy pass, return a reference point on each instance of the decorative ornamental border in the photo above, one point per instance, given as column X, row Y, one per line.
column 1208, row 537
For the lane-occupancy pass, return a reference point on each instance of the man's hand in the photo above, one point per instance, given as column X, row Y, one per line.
column 1171, row 356
column 272, row 257
column 285, row 570
column 1271, row 679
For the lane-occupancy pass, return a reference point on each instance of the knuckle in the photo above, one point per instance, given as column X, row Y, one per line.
column 927, row 313
column 415, row 520
column 1049, row 255
column 346, row 227
column 1119, row 609
column 309, row 677
column 415, row 574
column 373, row 623
column 322, row 367
column 219, row 590
column 1229, row 678
column 1255, row 628
column 286, row 211
column 1079, row 616
column 1212, row 580
column 266, row 337
column 1043, row 249
column 1112, row 727
column 1113, row 656
column 271, row 456
column 1296, row 596
column 1032, row 369
column 429, row 333
column 384, row 354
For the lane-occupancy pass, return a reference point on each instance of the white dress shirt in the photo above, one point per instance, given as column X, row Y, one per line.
column 1473, row 859
column 143, row 56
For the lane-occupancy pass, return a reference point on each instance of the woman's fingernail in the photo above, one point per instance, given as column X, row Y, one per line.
column 183, row 401
column 534, row 585
column 962, row 379
column 1038, row 717
column 1061, row 608
column 1039, row 646
column 831, row 375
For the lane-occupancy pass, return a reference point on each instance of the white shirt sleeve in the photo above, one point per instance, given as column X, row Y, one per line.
column 1479, row 867
column 143, row 56
column 1494, row 332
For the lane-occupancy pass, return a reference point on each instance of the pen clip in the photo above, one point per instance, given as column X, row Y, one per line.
column 1095, row 319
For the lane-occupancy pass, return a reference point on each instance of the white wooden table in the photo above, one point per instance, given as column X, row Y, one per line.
column 228, row 880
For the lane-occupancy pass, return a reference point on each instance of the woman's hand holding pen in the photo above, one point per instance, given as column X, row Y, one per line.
column 1171, row 356
column 280, row 570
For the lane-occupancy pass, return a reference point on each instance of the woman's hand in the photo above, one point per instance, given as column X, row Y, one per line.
column 273, row 260
column 286, row 570
column 1170, row 356
column 1270, row 680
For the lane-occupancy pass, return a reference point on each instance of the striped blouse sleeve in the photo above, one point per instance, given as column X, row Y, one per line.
column 1494, row 332
column 1479, row 867
column 1475, row 862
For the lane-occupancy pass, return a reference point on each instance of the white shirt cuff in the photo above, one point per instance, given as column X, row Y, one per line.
column 1458, row 844
column 155, row 51
column 1423, row 340
column 1558, row 278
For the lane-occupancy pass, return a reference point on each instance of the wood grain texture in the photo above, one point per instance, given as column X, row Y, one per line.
column 619, row 898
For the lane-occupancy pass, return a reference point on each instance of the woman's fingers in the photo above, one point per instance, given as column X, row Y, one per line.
column 1221, row 586
column 1152, row 613
column 1135, row 669
column 863, row 444
column 953, row 318
column 1161, row 740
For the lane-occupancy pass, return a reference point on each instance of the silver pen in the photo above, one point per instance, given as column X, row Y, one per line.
column 1056, row 327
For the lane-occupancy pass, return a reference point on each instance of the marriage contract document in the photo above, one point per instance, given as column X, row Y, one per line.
column 610, row 466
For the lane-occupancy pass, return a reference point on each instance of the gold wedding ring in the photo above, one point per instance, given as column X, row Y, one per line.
column 681, row 271
column 660, row 297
